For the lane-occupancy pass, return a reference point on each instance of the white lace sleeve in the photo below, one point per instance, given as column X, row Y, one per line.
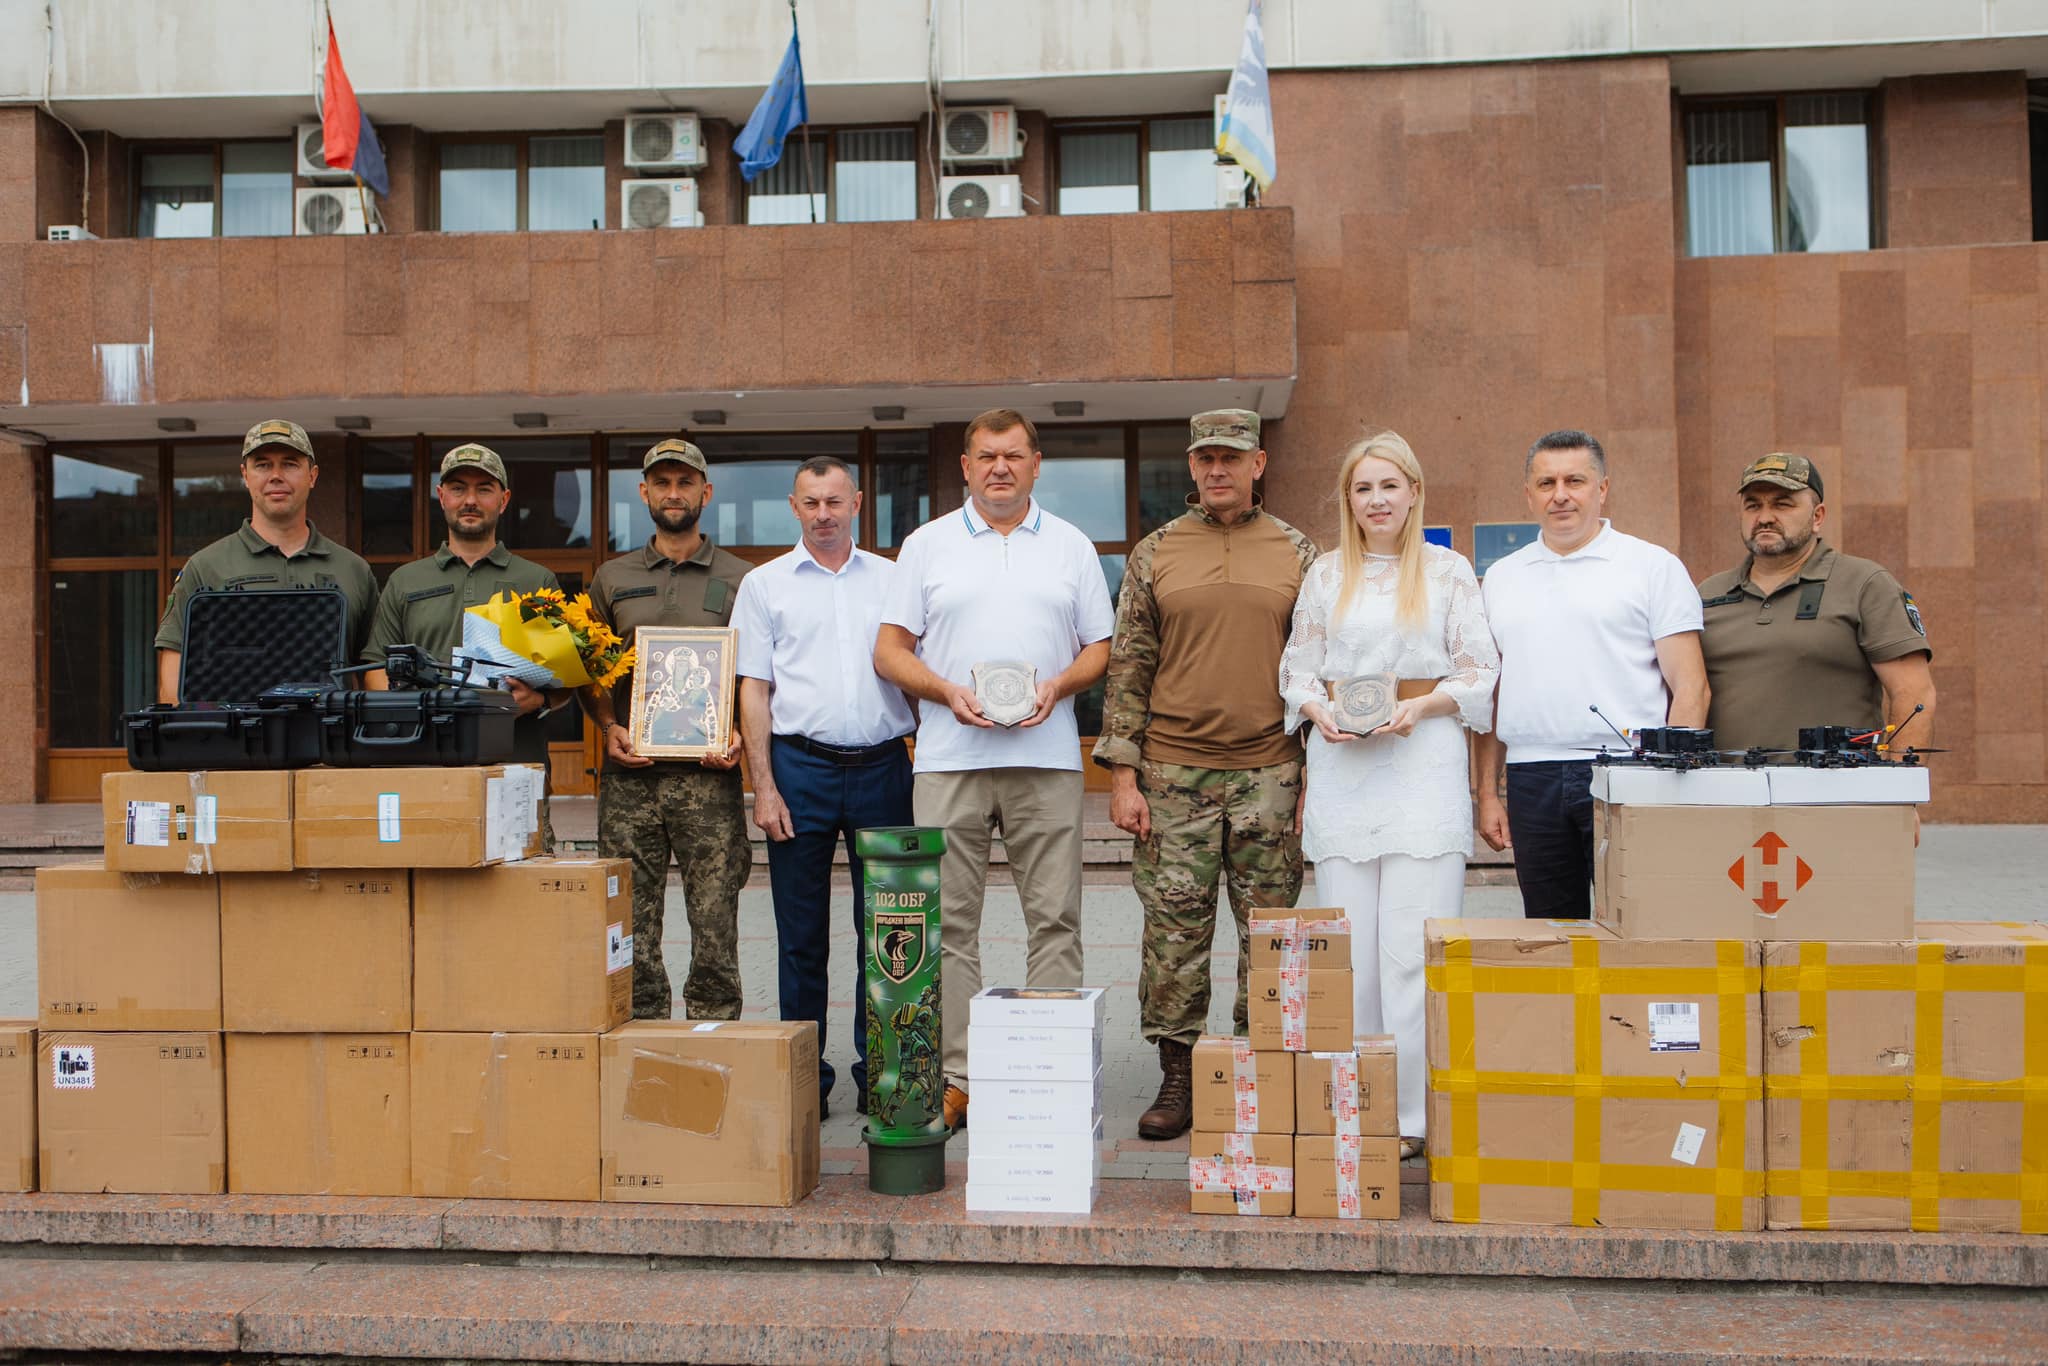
column 1301, row 663
column 1468, row 641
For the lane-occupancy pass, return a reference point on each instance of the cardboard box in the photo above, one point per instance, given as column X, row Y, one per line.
column 215, row 822
column 505, row 1116
column 1346, row 1177
column 1319, row 940
column 1240, row 1173
column 1898, row 1078
column 131, row 1112
column 710, row 1112
column 119, row 951
column 1037, row 1107
column 17, row 1105
column 1778, row 872
column 1027, row 1053
column 316, row 952
column 319, row 1114
column 539, row 946
column 1577, row 1078
column 1358, row 1085
column 1299, row 1012
column 412, row 817
column 1241, row 1091
column 1038, row 1008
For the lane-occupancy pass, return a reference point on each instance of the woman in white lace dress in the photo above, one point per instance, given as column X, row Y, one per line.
column 1388, row 818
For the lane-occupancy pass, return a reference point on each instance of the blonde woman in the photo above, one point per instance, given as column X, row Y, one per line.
column 1388, row 816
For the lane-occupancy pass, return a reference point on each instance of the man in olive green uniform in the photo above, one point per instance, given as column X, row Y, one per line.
column 648, row 808
column 276, row 547
column 423, row 602
column 1203, row 775
column 1803, row 635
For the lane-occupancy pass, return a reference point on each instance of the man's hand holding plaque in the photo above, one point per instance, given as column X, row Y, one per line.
column 1007, row 690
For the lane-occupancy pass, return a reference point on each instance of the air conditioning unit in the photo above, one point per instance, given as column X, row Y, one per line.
column 659, row 204
column 981, row 196
column 313, row 159
column 664, row 142
column 325, row 211
column 71, row 232
column 1230, row 185
column 985, row 134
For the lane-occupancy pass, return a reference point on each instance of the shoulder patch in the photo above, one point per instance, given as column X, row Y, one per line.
column 1913, row 613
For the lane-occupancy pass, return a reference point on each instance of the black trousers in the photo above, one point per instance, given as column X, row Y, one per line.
column 1550, row 821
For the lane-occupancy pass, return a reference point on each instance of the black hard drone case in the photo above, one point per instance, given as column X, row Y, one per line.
column 415, row 727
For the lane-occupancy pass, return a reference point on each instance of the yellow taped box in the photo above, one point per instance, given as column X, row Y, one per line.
column 1578, row 1078
column 1344, row 1176
column 318, row 1114
column 1249, row 1174
column 1238, row 1090
column 710, row 1112
column 411, row 817
column 538, row 946
column 1906, row 1084
column 119, row 951
column 1357, row 1086
column 316, row 952
column 139, row 1113
column 213, row 822
column 17, row 1105
column 505, row 1116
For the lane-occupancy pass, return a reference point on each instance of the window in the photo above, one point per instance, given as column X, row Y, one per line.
column 793, row 190
column 565, row 184
column 1789, row 174
column 479, row 187
column 874, row 175
column 256, row 189
column 174, row 196
column 107, row 582
column 1160, row 164
column 1180, row 164
column 551, row 182
column 1099, row 171
column 230, row 189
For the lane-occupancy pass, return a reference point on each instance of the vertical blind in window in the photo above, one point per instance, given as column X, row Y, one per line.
column 1180, row 164
column 256, row 189
column 1827, row 173
column 175, row 195
column 479, row 187
column 874, row 176
column 1099, row 171
column 565, row 183
column 786, row 192
column 1728, row 200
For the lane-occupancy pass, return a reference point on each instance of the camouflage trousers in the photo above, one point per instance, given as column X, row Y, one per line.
column 1208, row 825
column 694, row 813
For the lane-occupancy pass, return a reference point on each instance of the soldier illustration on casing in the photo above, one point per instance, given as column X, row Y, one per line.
column 917, row 1055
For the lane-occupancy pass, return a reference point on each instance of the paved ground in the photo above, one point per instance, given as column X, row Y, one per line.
column 1965, row 872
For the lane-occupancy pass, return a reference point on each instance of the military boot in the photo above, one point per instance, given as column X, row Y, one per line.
column 1174, row 1112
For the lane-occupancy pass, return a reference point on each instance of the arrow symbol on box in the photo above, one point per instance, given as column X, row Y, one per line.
column 1768, row 847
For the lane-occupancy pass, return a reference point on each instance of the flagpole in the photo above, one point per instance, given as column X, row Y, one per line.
column 810, row 194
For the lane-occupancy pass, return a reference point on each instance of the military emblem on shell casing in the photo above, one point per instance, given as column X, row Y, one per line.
column 1363, row 704
column 899, row 943
column 1007, row 690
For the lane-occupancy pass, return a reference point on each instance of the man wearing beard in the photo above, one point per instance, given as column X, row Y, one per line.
column 649, row 810
column 423, row 602
column 1803, row 635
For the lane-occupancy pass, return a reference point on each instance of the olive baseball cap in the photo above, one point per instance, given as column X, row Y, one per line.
column 1793, row 472
column 278, row 432
column 677, row 450
column 477, row 458
column 1237, row 428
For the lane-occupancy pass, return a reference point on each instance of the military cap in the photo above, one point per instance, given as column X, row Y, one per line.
column 477, row 458
column 677, row 450
column 1237, row 428
column 1793, row 472
column 278, row 432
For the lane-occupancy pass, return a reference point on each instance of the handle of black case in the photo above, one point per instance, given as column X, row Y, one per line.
column 194, row 728
column 419, row 729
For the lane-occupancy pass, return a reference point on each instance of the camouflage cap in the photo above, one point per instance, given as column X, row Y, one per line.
column 1786, row 471
column 678, row 450
column 475, row 457
column 278, row 432
column 1237, row 428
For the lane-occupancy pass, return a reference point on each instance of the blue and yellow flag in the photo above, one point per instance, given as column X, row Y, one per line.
column 1247, row 133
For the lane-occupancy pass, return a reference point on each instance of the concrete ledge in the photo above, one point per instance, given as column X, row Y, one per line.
column 96, row 1306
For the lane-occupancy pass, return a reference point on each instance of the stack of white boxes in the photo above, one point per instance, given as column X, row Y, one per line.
column 1034, row 1072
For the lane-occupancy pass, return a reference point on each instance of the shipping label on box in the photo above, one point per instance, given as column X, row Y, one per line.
column 505, row 1116
column 1319, row 940
column 1240, row 1173
column 127, row 951
column 17, row 1105
column 1003, row 1053
column 142, row 1113
column 1299, row 1012
column 1345, row 1176
column 543, row 945
column 1038, row 1007
column 1903, row 1082
column 316, row 952
column 319, row 1114
column 1045, row 1107
column 210, row 822
column 1560, row 1091
column 1352, row 1092
column 1237, row 1090
column 397, row 818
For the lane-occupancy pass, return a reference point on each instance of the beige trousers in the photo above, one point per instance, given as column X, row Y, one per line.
column 1039, row 813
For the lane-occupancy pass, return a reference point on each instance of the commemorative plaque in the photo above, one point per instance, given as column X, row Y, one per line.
column 1363, row 704
column 1007, row 690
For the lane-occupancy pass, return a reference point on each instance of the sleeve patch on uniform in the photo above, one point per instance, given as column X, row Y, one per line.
column 1913, row 613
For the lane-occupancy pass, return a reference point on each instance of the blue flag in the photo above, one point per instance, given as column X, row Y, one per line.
column 369, row 163
column 782, row 108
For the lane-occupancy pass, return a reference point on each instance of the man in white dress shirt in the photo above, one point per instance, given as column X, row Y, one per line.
column 1000, row 579
column 824, row 736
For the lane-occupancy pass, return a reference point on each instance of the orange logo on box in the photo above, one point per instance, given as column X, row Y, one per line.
column 1770, row 873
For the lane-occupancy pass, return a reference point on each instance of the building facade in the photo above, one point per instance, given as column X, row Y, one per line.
column 1702, row 233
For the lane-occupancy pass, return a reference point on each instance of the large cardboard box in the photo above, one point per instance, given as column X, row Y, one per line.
column 1903, row 1082
column 1344, row 1176
column 316, row 952
column 539, row 946
column 1577, row 1078
column 319, row 1114
column 1314, row 939
column 126, row 950
column 1357, row 1086
column 1238, row 1090
column 711, row 1112
column 1765, row 872
column 17, row 1105
column 505, row 1116
column 213, row 822
column 412, row 817
column 1240, row 1173
column 131, row 1112
column 1299, row 1012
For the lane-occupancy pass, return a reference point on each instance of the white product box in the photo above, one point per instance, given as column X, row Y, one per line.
column 1626, row 785
column 1056, row 1173
column 1068, row 1199
column 1876, row 785
column 1017, row 1143
column 995, row 1054
column 1036, row 1107
column 1055, row 1007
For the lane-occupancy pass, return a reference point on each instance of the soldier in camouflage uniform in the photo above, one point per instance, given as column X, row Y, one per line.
column 1205, row 777
column 649, row 809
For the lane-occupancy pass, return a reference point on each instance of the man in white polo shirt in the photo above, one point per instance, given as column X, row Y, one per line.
column 1001, row 579
column 1585, row 617
column 824, row 737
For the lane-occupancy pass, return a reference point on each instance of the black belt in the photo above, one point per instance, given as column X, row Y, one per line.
column 847, row 756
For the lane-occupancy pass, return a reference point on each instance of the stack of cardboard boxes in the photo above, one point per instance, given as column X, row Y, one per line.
column 1034, row 1066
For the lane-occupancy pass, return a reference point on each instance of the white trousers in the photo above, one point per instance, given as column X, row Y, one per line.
column 1387, row 899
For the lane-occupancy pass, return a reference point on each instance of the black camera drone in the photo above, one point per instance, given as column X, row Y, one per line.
column 1683, row 749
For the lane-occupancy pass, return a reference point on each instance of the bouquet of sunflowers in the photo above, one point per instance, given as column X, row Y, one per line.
column 545, row 639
